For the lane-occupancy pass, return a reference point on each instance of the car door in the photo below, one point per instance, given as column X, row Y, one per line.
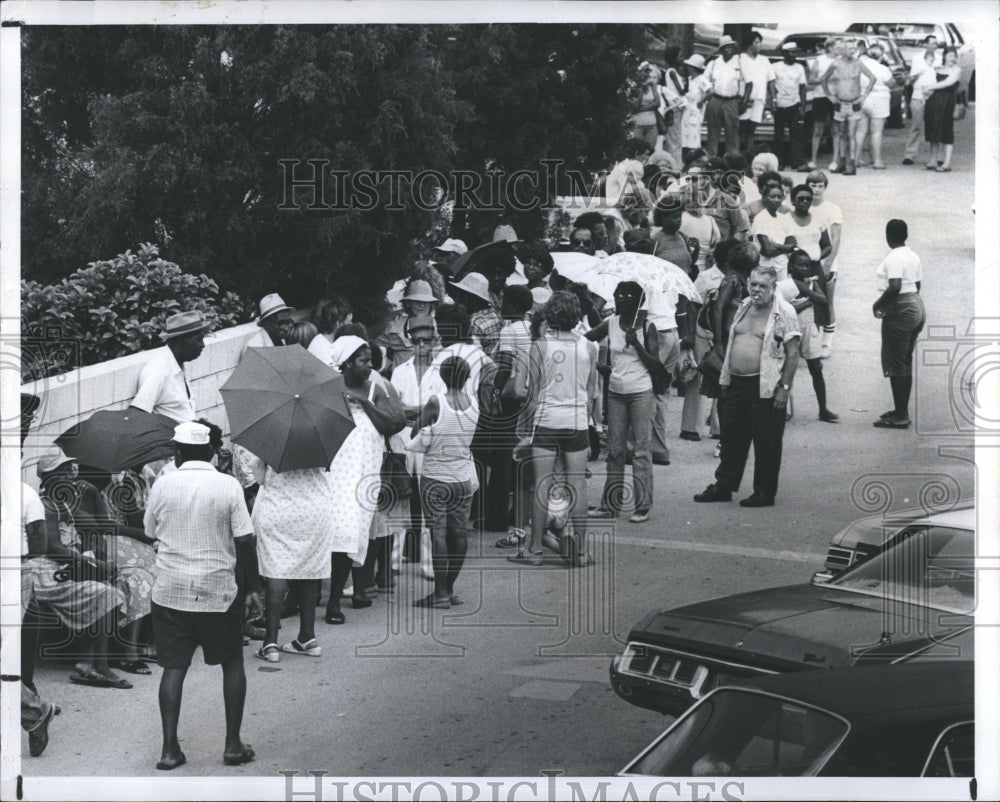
column 953, row 753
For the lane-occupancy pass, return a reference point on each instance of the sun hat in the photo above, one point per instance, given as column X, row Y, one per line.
column 190, row 433
column 51, row 460
column 183, row 323
column 453, row 246
column 474, row 284
column 417, row 323
column 419, row 290
column 697, row 60
column 789, row 46
column 272, row 304
column 726, row 41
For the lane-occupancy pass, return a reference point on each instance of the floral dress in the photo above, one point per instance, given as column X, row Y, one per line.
column 136, row 561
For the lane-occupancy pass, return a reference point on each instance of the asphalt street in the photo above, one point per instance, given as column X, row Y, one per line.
column 515, row 681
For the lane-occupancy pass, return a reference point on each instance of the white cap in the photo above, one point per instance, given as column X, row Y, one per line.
column 789, row 46
column 453, row 246
column 540, row 295
column 191, row 434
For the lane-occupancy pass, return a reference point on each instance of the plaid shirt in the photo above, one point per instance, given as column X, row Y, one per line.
column 486, row 327
column 196, row 512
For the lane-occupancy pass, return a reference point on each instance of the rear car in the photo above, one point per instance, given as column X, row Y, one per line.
column 911, row 601
column 861, row 722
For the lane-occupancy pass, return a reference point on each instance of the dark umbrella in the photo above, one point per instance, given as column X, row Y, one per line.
column 114, row 440
column 478, row 260
column 287, row 407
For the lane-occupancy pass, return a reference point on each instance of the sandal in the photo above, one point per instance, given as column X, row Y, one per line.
column 430, row 601
column 455, row 600
column 98, row 679
column 891, row 423
column 525, row 557
column 310, row 648
column 136, row 666
column 268, row 652
column 334, row 617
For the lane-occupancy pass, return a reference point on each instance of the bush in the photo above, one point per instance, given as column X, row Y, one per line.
column 110, row 309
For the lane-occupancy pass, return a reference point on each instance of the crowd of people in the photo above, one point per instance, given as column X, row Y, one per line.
column 844, row 91
column 495, row 387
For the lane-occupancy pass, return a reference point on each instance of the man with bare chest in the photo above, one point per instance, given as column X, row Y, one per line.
column 756, row 379
column 842, row 83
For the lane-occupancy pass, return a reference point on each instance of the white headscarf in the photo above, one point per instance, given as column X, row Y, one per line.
column 343, row 348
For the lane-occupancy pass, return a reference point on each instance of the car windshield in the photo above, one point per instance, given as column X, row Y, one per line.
column 747, row 734
column 930, row 566
column 914, row 33
column 808, row 44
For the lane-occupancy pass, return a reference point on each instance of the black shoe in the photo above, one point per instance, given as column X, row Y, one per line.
column 693, row 436
column 829, row 417
column 38, row 738
column 757, row 500
column 714, row 493
column 907, row 161
column 360, row 602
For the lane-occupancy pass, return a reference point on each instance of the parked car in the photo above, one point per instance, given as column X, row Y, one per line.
column 706, row 36
column 881, row 721
column 810, row 44
column 911, row 601
column 865, row 537
column 910, row 37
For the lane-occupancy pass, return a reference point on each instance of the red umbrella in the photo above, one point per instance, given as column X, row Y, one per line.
column 287, row 407
column 114, row 440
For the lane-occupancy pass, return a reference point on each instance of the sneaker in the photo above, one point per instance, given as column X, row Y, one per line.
column 512, row 540
column 825, row 352
column 638, row 517
column 310, row 648
column 268, row 652
column 601, row 512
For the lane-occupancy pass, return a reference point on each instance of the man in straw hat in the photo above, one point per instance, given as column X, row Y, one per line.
column 163, row 388
column 205, row 534
column 275, row 322
column 728, row 95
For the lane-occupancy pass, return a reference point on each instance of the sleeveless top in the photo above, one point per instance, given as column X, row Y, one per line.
column 628, row 373
column 448, row 457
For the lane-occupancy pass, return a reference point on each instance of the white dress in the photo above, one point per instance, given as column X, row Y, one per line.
column 291, row 519
column 355, row 480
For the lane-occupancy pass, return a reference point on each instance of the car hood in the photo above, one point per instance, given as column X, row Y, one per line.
column 805, row 625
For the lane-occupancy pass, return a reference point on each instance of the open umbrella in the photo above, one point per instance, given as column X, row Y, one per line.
column 116, row 439
column 656, row 276
column 477, row 260
column 574, row 265
column 287, row 407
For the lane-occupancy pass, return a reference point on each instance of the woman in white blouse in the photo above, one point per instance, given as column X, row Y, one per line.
column 901, row 310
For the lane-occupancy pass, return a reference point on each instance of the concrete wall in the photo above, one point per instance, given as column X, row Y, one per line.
column 72, row 397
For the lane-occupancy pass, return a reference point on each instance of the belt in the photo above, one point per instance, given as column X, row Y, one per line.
column 726, row 97
column 666, row 331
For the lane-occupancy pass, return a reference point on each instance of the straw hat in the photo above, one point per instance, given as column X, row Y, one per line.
column 51, row 460
column 271, row 305
column 183, row 323
column 419, row 290
column 697, row 61
column 474, row 284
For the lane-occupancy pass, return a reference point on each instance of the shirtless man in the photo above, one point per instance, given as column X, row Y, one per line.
column 844, row 75
column 756, row 379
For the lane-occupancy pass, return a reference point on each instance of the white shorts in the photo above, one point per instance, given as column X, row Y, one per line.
column 876, row 106
column 810, row 346
column 754, row 112
column 844, row 110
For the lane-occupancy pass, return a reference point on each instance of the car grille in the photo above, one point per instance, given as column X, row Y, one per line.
column 689, row 672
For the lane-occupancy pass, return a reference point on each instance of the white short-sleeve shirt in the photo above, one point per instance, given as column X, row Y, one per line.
column 758, row 70
column 32, row 510
column 902, row 263
column 787, row 80
column 162, row 388
column 828, row 214
column 775, row 229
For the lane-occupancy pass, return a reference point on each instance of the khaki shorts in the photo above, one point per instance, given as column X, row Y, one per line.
column 844, row 110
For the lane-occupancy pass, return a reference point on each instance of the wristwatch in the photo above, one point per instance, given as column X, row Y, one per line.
column 786, row 387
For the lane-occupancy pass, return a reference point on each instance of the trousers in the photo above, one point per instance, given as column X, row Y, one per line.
column 721, row 114
column 747, row 419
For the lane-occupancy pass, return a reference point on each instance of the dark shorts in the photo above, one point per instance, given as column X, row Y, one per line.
column 177, row 633
column 564, row 440
column 822, row 110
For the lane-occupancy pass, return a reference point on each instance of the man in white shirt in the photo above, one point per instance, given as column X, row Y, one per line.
column 831, row 218
column 789, row 107
column 201, row 522
column 728, row 95
column 757, row 72
column 275, row 323
column 163, row 389
column 922, row 77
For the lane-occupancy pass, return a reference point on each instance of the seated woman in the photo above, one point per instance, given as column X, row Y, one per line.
column 86, row 606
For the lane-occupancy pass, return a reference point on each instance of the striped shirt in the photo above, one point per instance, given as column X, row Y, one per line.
column 448, row 457
column 196, row 512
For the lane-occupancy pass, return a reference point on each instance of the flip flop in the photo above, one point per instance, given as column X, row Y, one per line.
column 430, row 601
column 133, row 666
column 165, row 766
column 238, row 760
column 891, row 423
column 455, row 600
column 96, row 679
column 523, row 557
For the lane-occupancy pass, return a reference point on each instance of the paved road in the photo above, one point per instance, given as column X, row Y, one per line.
column 515, row 681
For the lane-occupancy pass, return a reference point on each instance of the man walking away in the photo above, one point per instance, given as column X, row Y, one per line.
column 756, row 379
column 201, row 520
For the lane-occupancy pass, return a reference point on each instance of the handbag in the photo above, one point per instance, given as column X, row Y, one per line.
column 661, row 378
column 663, row 123
column 960, row 111
column 396, row 483
column 711, row 364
